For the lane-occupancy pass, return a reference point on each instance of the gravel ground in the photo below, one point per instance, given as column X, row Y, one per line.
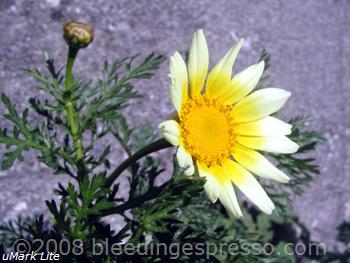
column 310, row 46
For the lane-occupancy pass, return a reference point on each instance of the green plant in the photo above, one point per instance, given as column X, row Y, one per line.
column 77, row 115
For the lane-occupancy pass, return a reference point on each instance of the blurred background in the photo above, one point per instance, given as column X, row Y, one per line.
column 309, row 41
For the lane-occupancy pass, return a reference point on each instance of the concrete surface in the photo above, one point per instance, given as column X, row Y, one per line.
column 310, row 46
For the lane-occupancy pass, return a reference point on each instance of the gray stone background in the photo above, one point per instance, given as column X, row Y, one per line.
column 309, row 41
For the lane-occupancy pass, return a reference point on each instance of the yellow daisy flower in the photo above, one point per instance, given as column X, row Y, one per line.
column 221, row 125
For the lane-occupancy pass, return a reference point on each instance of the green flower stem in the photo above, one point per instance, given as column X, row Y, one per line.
column 152, row 147
column 72, row 53
column 77, row 140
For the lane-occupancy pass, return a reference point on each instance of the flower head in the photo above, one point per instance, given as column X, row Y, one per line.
column 77, row 34
column 222, row 125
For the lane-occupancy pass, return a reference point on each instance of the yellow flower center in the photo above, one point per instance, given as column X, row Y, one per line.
column 206, row 130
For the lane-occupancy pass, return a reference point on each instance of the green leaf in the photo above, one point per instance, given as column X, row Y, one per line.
column 11, row 157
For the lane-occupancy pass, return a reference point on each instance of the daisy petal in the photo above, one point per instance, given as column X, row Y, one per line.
column 220, row 75
column 198, row 61
column 258, row 164
column 179, row 81
column 243, row 83
column 250, row 187
column 211, row 187
column 171, row 131
column 220, row 186
column 185, row 161
column 274, row 144
column 259, row 104
column 264, row 127
column 229, row 200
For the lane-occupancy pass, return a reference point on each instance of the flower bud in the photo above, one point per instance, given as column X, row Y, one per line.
column 77, row 34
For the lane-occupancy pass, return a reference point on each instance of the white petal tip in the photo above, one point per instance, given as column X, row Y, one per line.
column 258, row 69
column 189, row 171
column 282, row 92
column 289, row 128
column 236, row 214
column 285, row 181
column 287, row 94
column 287, row 146
column 176, row 56
column 261, row 64
column 239, row 214
column 269, row 212
column 239, row 44
column 281, row 177
column 294, row 148
column 170, row 131
column 162, row 125
column 269, row 208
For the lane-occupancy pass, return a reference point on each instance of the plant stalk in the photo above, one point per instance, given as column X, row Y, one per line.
column 152, row 147
column 72, row 53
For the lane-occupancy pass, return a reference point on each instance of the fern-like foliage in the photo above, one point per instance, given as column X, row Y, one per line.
column 155, row 214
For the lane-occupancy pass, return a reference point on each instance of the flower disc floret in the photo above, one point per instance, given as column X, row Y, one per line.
column 207, row 130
